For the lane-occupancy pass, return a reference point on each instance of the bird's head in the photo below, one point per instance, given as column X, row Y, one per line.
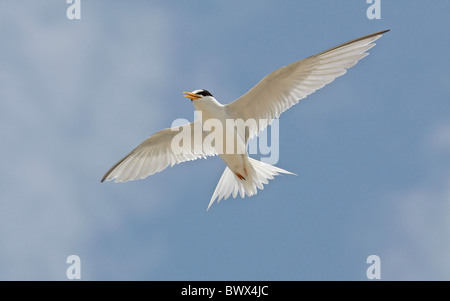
column 198, row 94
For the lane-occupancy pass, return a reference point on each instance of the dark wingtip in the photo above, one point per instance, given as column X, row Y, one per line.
column 104, row 177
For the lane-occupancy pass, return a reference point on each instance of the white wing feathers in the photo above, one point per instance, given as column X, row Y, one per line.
column 156, row 153
column 273, row 95
column 286, row 86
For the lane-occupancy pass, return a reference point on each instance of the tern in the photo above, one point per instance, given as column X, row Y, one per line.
column 273, row 95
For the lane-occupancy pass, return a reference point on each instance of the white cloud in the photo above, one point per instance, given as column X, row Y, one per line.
column 67, row 90
column 419, row 248
column 440, row 137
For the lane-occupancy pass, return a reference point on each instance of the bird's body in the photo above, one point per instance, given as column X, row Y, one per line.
column 211, row 109
column 255, row 110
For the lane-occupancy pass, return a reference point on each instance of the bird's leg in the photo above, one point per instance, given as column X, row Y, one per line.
column 239, row 176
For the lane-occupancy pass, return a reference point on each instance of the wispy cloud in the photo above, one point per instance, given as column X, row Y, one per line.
column 419, row 245
column 67, row 90
column 440, row 137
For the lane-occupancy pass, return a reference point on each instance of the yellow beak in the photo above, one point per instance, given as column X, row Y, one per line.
column 191, row 96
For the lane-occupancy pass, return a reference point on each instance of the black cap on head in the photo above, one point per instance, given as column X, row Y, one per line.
column 202, row 92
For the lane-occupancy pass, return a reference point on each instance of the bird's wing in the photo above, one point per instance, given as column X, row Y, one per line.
column 167, row 147
column 286, row 86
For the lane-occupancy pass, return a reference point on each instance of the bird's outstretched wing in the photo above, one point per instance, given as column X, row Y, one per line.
column 286, row 86
column 157, row 152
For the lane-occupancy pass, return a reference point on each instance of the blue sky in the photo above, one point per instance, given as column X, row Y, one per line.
column 371, row 150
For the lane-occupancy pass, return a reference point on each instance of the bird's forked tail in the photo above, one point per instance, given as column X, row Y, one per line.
column 231, row 184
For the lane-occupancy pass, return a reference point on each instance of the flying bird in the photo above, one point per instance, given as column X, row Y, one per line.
column 273, row 95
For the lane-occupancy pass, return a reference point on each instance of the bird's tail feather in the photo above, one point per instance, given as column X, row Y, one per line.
column 258, row 175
